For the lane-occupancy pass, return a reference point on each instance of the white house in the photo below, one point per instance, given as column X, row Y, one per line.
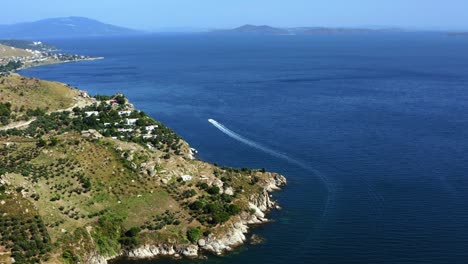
column 150, row 128
column 187, row 177
column 121, row 113
column 91, row 113
column 131, row 121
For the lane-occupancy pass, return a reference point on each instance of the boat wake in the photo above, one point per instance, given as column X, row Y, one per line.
column 330, row 186
column 251, row 143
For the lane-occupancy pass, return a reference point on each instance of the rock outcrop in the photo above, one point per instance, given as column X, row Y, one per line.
column 96, row 258
column 235, row 235
column 151, row 251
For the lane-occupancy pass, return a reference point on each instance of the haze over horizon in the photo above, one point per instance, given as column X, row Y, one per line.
column 210, row 14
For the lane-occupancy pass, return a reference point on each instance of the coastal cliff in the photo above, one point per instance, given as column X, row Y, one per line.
column 233, row 236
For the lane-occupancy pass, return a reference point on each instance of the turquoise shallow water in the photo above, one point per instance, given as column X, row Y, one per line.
column 369, row 129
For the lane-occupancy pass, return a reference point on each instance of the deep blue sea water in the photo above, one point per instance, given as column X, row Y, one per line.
column 370, row 130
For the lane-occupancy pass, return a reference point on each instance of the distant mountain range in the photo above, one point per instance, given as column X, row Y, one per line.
column 268, row 30
column 64, row 27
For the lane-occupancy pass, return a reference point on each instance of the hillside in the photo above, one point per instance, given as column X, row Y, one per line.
column 8, row 52
column 29, row 98
column 102, row 179
column 65, row 27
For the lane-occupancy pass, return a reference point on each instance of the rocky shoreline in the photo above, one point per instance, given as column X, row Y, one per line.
column 235, row 235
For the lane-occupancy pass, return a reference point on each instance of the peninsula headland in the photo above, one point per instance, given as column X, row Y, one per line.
column 85, row 179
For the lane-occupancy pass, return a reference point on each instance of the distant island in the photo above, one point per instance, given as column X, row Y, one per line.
column 86, row 179
column 269, row 30
column 254, row 30
column 64, row 27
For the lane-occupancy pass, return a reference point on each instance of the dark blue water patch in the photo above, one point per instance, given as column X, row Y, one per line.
column 378, row 125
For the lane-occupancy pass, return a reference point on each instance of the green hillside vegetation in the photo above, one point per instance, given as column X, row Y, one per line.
column 72, row 182
column 10, row 66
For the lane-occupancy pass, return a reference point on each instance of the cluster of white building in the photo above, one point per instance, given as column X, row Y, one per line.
column 127, row 124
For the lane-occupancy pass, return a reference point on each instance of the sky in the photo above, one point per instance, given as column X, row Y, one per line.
column 211, row 14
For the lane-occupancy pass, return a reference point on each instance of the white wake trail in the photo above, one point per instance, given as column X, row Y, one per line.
column 251, row 143
column 328, row 184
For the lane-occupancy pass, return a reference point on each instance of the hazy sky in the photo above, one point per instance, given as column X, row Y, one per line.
column 154, row 14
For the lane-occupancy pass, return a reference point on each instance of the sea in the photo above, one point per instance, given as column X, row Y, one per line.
column 370, row 130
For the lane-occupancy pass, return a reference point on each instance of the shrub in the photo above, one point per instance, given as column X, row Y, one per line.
column 53, row 141
column 202, row 185
column 107, row 234
column 197, row 205
column 193, row 234
column 69, row 257
column 5, row 109
column 130, row 238
column 41, row 143
column 213, row 190
column 133, row 232
column 120, row 99
column 220, row 217
column 233, row 209
column 189, row 193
